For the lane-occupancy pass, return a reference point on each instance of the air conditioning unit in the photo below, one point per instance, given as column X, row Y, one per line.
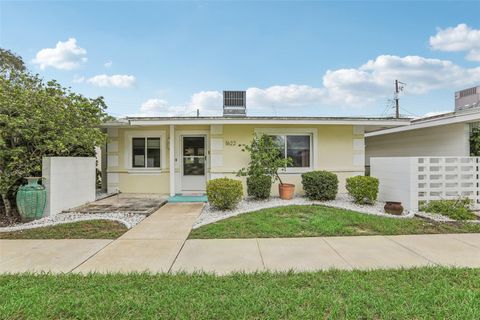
column 234, row 103
column 467, row 99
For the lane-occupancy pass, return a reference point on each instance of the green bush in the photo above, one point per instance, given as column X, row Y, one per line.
column 224, row 193
column 320, row 185
column 259, row 186
column 455, row 209
column 364, row 190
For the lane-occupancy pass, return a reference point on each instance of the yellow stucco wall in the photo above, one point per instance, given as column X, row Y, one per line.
column 333, row 145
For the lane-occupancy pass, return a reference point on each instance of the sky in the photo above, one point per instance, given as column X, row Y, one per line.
column 293, row 58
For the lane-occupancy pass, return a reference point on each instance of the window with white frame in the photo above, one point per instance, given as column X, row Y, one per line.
column 297, row 147
column 146, row 152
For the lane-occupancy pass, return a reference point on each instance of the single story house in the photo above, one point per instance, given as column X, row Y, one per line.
column 178, row 155
column 446, row 134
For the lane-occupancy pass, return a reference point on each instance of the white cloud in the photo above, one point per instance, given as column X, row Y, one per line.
column 65, row 56
column 288, row 96
column 207, row 102
column 108, row 64
column 78, row 79
column 459, row 38
column 157, row 107
column 116, row 80
column 369, row 84
column 375, row 78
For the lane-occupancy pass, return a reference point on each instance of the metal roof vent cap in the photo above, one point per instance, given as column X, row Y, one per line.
column 234, row 103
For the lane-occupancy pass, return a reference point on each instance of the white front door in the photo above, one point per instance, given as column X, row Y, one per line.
column 194, row 163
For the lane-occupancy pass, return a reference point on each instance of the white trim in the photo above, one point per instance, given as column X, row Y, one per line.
column 171, row 142
column 112, row 132
column 427, row 123
column 313, row 132
column 358, row 130
column 216, row 129
column 112, row 160
column 112, row 146
column 373, row 122
column 216, row 144
column 144, row 134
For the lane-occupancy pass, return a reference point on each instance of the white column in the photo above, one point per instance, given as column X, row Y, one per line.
column 172, row 160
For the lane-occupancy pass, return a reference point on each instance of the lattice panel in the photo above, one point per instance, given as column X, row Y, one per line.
column 448, row 178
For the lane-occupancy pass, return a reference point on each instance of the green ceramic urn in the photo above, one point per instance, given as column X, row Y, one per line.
column 31, row 199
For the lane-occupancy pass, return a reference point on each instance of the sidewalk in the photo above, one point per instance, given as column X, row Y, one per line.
column 158, row 244
column 311, row 254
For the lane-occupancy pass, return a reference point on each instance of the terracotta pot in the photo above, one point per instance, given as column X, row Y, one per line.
column 393, row 207
column 286, row 191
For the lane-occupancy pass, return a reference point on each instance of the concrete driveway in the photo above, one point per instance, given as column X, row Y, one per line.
column 158, row 244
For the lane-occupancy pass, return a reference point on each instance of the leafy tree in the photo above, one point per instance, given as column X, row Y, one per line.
column 10, row 61
column 38, row 119
column 266, row 158
column 475, row 142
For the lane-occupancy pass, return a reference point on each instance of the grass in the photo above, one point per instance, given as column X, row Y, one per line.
column 425, row 293
column 92, row 229
column 313, row 221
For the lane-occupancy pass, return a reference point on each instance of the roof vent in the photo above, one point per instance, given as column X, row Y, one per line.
column 234, row 103
column 467, row 99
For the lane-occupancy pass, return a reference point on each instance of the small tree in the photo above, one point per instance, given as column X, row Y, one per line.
column 266, row 158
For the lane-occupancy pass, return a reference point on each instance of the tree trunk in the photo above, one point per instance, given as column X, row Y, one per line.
column 278, row 177
column 8, row 206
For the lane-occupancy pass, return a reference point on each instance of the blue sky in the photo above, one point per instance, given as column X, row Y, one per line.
column 293, row 58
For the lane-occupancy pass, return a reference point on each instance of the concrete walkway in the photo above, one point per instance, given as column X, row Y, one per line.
column 158, row 244
column 151, row 246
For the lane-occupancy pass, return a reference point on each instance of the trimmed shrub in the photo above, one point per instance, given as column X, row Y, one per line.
column 224, row 193
column 320, row 185
column 259, row 187
column 364, row 190
column 455, row 209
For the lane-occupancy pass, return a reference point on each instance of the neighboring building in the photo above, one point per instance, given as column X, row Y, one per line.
column 141, row 150
column 442, row 135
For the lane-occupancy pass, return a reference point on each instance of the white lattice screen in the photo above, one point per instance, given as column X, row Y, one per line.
column 447, row 178
column 413, row 180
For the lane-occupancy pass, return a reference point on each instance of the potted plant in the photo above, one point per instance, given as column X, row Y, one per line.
column 266, row 159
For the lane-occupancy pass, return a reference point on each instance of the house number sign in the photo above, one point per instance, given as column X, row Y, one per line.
column 230, row 142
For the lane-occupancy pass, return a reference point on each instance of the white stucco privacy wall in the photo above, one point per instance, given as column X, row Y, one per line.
column 69, row 182
column 395, row 180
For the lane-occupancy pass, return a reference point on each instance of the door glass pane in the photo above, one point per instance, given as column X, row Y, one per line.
column 153, row 152
column 138, row 152
column 193, row 166
column 194, row 156
column 298, row 148
column 193, row 146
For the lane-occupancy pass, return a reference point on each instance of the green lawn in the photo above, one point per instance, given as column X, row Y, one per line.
column 312, row 221
column 426, row 293
column 93, row 229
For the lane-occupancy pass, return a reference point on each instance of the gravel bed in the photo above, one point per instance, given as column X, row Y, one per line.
column 127, row 219
column 441, row 218
column 343, row 201
column 433, row 216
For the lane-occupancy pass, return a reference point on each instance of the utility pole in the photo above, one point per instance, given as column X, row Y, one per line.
column 399, row 86
column 397, row 103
